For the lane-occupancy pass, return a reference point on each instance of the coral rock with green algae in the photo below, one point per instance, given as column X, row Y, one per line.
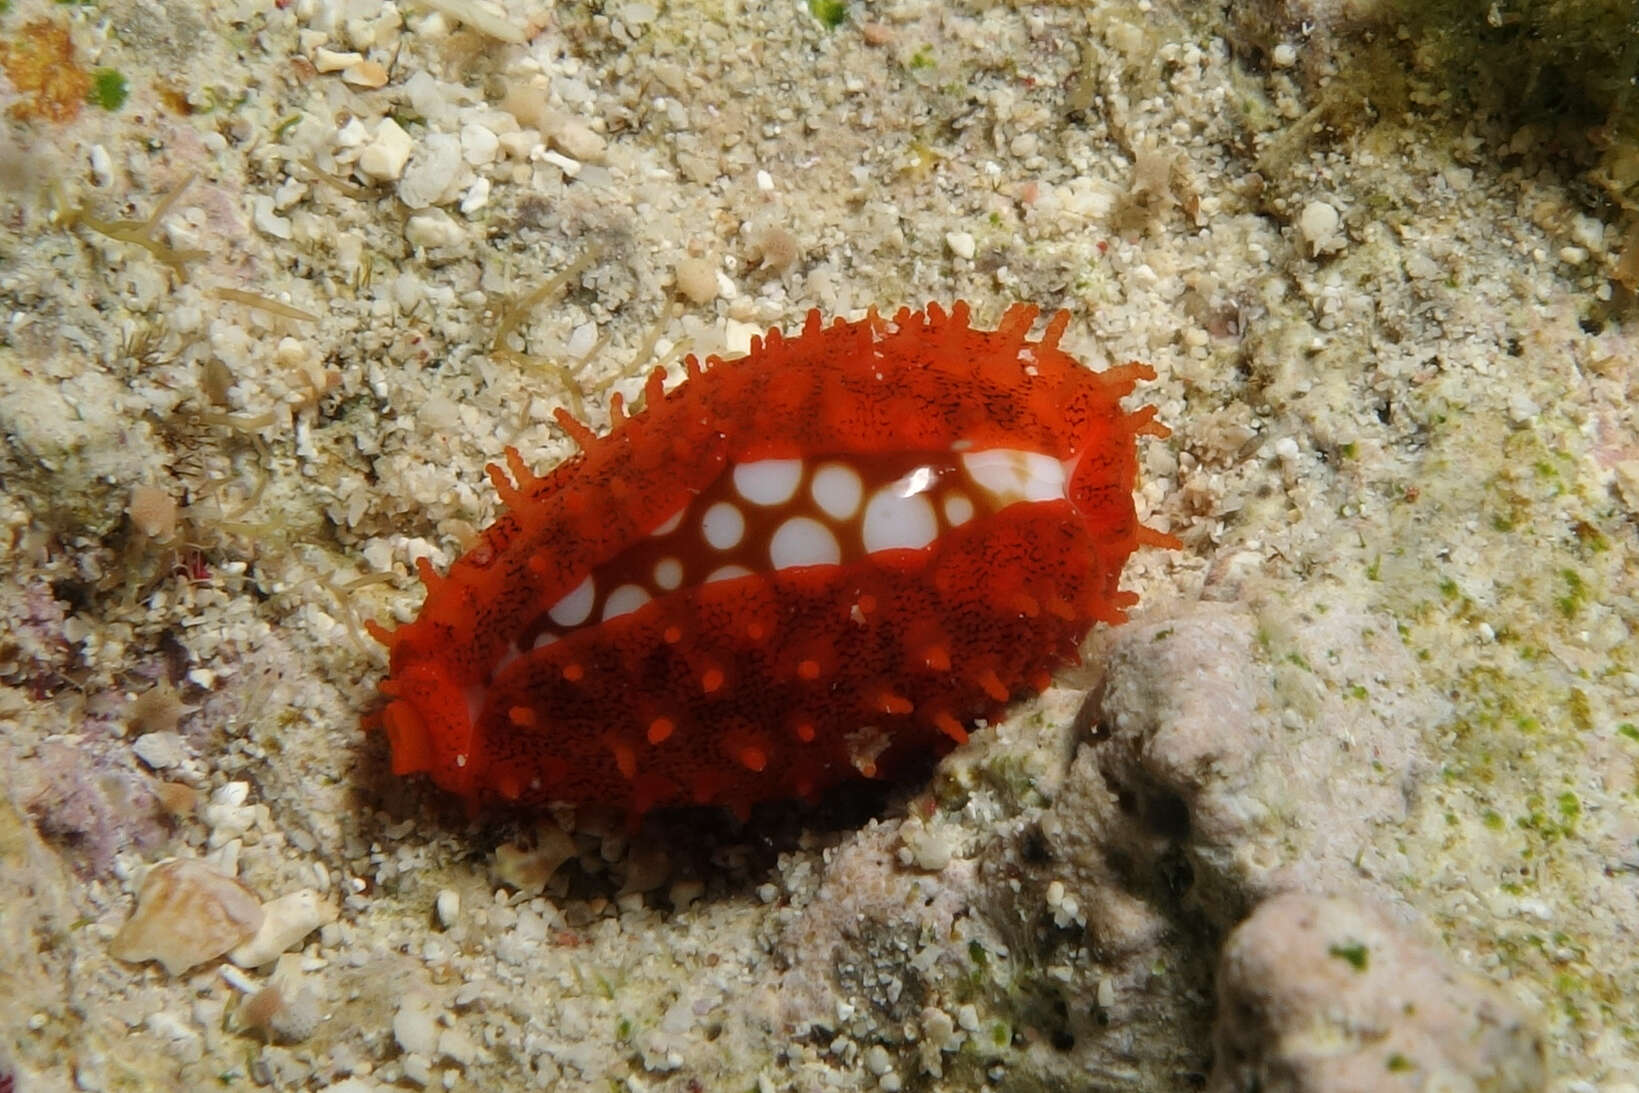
column 1325, row 995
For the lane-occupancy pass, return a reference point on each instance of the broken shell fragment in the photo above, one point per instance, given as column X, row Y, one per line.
column 288, row 920
column 187, row 913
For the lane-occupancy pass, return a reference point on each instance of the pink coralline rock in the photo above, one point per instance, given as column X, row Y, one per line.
column 1327, row 995
column 84, row 803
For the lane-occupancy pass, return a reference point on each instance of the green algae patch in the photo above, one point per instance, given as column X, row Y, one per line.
column 1354, row 954
column 830, row 13
column 109, row 89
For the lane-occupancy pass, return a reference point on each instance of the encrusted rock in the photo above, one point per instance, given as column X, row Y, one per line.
column 1235, row 753
column 187, row 913
column 1325, row 994
column 1264, row 747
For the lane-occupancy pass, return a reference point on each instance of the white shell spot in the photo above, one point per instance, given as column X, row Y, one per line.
column 893, row 522
column 670, row 523
column 726, row 573
column 543, row 639
column 768, row 482
column 624, row 600
column 723, row 526
column 958, row 509
column 668, row 573
column 803, row 540
column 837, row 490
column 574, row 608
column 1010, row 475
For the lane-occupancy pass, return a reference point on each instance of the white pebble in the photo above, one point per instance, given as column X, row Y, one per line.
column 433, row 228
column 184, row 1039
column 291, row 353
column 438, row 411
column 1321, row 227
column 187, row 318
column 330, row 60
column 266, row 220
column 366, row 74
column 1285, row 55
column 573, row 138
column 736, row 334
column 476, row 198
column 363, row 33
column 448, row 906
column 161, row 750
column 384, row 158
column 102, row 167
column 961, row 244
column 455, row 1045
column 431, row 98
column 432, row 171
column 569, row 167
column 519, row 144
column 417, row 1070
column 583, row 339
column 415, row 1026
column 354, row 133
column 479, row 144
